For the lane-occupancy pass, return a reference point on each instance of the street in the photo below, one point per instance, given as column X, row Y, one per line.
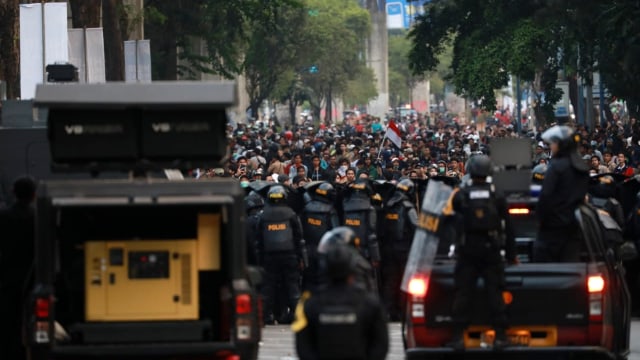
column 277, row 343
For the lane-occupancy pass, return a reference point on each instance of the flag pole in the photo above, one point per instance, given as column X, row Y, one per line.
column 381, row 145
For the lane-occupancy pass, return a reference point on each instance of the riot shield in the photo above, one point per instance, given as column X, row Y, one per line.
column 425, row 240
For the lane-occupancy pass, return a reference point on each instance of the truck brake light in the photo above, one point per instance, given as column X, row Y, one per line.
column 243, row 304
column 518, row 211
column 42, row 308
column 595, row 284
column 418, row 286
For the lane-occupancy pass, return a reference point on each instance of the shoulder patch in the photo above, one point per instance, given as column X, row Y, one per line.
column 300, row 322
column 479, row 194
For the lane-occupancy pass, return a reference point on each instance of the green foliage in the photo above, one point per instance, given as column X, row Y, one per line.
column 401, row 80
column 223, row 25
column 361, row 89
column 618, row 60
column 333, row 40
column 532, row 40
column 272, row 51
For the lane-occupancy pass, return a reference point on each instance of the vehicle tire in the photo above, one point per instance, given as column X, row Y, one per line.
column 249, row 352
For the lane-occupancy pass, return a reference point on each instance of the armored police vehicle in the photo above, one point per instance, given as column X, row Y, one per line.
column 139, row 267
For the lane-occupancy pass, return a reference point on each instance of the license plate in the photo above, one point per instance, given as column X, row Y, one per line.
column 516, row 338
column 519, row 337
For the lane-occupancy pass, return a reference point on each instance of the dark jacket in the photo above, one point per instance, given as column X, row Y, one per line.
column 16, row 244
column 563, row 189
column 341, row 321
column 474, row 241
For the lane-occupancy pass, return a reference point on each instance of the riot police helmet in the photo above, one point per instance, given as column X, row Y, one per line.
column 338, row 235
column 325, row 192
column 406, row 186
column 277, row 194
column 340, row 262
column 253, row 201
column 479, row 166
column 537, row 174
column 563, row 136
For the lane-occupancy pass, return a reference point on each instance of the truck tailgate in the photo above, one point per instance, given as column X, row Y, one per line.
column 543, row 294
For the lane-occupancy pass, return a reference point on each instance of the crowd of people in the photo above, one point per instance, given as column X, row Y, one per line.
column 348, row 155
column 355, row 149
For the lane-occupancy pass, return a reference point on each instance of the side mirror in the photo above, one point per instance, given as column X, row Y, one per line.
column 627, row 251
column 255, row 275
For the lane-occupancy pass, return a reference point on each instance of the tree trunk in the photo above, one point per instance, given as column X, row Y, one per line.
column 292, row 109
column 113, row 45
column 328, row 108
column 85, row 13
column 10, row 46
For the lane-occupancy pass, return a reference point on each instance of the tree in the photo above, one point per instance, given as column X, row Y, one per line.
column 86, row 14
column 9, row 46
column 290, row 89
column 492, row 40
column 361, row 88
column 333, row 41
column 113, row 16
column 620, row 51
column 177, row 28
column 272, row 51
column 400, row 77
column 533, row 40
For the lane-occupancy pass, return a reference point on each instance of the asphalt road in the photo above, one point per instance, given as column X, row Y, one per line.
column 278, row 344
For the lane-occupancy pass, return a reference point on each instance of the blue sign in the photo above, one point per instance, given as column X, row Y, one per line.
column 394, row 9
column 401, row 14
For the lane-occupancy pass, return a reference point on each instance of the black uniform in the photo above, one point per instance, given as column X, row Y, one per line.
column 340, row 322
column 280, row 251
column 563, row 190
column 318, row 217
column 360, row 216
column 487, row 229
column 400, row 221
column 253, row 218
column 16, row 260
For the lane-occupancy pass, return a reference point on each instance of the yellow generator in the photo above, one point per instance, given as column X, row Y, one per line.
column 145, row 280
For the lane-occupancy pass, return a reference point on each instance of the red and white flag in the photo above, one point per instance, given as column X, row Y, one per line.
column 393, row 134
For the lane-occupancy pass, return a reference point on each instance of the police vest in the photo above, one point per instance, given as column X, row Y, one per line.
column 316, row 221
column 398, row 232
column 277, row 234
column 358, row 222
column 481, row 209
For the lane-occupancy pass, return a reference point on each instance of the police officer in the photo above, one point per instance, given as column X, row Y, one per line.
column 281, row 251
column 485, row 220
column 363, row 276
column 564, row 188
column 253, row 205
column 318, row 216
column 341, row 321
column 602, row 195
column 360, row 216
column 16, row 260
column 400, row 221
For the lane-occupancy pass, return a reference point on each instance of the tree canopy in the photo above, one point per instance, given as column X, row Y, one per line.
column 533, row 40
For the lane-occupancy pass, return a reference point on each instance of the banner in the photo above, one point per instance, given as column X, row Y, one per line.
column 137, row 61
column 87, row 45
column 37, row 51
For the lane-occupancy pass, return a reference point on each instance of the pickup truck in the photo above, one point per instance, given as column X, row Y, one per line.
column 560, row 310
column 142, row 268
